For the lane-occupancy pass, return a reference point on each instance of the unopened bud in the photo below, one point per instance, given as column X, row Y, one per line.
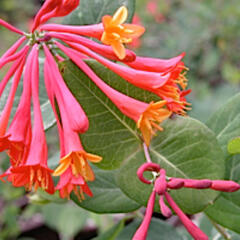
column 175, row 183
column 160, row 185
column 165, row 210
column 225, row 186
column 198, row 184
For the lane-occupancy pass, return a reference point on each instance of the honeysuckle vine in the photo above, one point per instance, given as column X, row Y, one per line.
column 23, row 137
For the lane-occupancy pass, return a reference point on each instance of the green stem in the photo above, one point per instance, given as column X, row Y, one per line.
column 221, row 230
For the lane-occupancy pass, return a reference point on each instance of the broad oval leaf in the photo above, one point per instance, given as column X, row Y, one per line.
column 92, row 11
column 107, row 196
column 187, row 149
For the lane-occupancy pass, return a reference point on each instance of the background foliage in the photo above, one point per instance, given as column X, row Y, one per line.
column 208, row 31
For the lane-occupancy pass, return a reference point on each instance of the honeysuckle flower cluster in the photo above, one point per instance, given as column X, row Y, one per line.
column 161, row 186
column 23, row 138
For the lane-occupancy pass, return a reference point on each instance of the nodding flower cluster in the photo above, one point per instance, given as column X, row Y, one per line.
column 161, row 187
column 24, row 140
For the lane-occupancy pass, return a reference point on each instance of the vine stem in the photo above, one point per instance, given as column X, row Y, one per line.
column 146, row 152
column 221, row 230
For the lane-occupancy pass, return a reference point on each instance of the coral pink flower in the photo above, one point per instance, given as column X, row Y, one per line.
column 143, row 79
column 13, row 48
column 78, row 119
column 141, row 233
column 5, row 115
column 69, row 183
column 95, row 30
column 54, row 8
column 73, row 154
column 10, row 27
column 145, row 115
column 104, row 50
column 156, row 64
column 20, row 129
column 189, row 225
column 35, row 172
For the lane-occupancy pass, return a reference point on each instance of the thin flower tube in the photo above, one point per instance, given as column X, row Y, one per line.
column 147, row 116
column 101, row 49
column 35, row 172
column 162, row 84
column 78, row 120
column 73, row 154
column 20, row 129
column 146, row 80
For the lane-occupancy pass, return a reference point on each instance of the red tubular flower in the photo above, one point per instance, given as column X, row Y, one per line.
column 95, row 30
column 104, row 50
column 196, row 232
column 5, row 115
column 13, row 48
column 10, row 27
column 72, row 153
column 198, row 184
column 145, row 115
column 13, row 57
column 78, row 120
column 165, row 210
column 155, row 64
column 20, row 129
column 54, row 8
column 35, row 172
column 147, row 80
column 141, row 233
column 69, row 183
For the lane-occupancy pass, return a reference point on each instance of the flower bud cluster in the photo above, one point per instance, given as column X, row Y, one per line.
column 24, row 138
column 161, row 187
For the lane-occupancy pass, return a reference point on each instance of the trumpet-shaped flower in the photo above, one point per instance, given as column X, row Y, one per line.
column 116, row 33
column 147, row 116
column 34, row 172
column 69, row 183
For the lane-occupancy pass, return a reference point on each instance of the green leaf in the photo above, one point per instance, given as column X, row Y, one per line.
column 234, row 146
column 107, row 196
column 158, row 230
column 187, row 149
column 111, row 134
column 113, row 232
column 225, row 122
column 92, row 11
column 226, row 210
column 66, row 219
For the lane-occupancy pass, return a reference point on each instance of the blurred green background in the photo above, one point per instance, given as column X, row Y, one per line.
column 209, row 33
